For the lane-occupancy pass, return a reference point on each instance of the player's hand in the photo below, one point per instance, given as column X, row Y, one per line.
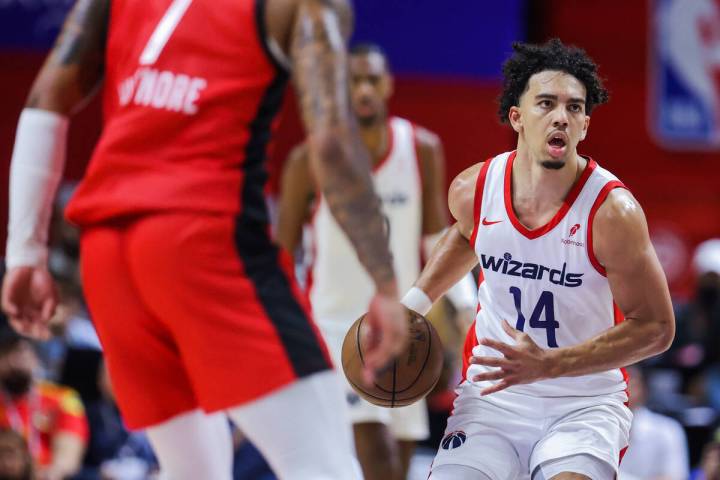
column 388, row 333
column 523, row 362
column 29, row 298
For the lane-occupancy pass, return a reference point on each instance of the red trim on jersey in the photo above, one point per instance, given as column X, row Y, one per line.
column 611, row 185
column 477, row 201
column 567, row 202
column 471, row 342
column 390, row 145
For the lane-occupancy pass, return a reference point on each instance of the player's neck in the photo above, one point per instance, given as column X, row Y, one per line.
column 537, row 191
column 376, row 139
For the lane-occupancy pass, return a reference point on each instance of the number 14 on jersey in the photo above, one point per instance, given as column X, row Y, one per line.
column 543, row 315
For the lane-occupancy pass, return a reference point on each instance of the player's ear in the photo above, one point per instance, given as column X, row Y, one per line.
column 586, row 125
column 515, row 119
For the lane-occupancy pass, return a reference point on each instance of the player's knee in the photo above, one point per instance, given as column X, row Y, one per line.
column 457, row 472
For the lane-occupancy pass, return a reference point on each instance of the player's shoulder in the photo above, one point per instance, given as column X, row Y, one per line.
column 426, row 138
column 619, row 209
column 461, row 194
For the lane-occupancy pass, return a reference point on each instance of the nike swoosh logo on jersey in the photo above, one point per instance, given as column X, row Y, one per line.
column 485, row 221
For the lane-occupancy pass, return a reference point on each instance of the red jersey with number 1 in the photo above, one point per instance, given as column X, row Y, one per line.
column 191, row 95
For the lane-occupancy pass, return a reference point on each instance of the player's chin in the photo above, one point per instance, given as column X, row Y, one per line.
column 553, row 163
column 367, row 119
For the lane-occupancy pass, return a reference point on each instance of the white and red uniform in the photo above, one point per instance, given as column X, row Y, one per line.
column 340, row 288
column 193, row 303
column 547, row 283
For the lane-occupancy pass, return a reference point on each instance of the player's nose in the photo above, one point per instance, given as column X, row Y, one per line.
column 560, row 117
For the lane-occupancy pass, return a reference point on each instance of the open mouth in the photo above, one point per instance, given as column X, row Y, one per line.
column 557, row 142
column 557, row 145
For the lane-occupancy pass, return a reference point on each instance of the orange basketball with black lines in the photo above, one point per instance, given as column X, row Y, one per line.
column 407, row 379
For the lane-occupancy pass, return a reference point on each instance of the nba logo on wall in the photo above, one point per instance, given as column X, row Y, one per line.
column 685, row 73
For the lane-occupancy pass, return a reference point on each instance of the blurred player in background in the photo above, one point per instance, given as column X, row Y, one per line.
column 572, row 290
column 409, row 174
column 196, row 308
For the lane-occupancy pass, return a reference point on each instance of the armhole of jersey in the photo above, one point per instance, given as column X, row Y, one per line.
column 272, row 50
column 609, row 186
column 477, row 200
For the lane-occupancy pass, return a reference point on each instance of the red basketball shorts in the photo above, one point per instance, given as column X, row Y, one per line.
column 194, row 311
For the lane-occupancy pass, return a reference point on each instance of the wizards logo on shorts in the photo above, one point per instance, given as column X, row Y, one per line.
column 453, row 440
column 685, row 98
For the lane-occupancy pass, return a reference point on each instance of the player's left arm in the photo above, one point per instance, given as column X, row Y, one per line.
column 622, row 246
column 432, row 172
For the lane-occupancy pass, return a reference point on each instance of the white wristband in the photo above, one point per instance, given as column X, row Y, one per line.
column 36, row 169
column 417, row 301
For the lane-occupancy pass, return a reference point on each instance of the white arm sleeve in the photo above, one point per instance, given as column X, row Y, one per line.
column 464, row 293
column 36, row 169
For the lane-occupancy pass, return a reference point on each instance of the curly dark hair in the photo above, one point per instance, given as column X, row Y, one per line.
column 529, row 59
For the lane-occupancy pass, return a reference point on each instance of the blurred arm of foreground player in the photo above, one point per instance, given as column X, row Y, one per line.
column 338, row 160
column 622, row 246
column 71, row 74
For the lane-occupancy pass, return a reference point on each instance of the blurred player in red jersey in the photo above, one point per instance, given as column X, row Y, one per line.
column 50, row 417
column 197, row 310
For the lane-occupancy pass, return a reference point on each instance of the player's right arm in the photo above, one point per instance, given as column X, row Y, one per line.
column 339, row 162
column 453, row 256
column 69, row 76
column 75, row 67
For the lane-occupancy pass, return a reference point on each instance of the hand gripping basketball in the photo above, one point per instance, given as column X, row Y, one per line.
column 405, row 380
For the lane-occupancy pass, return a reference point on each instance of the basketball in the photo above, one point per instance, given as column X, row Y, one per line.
column 409, row 377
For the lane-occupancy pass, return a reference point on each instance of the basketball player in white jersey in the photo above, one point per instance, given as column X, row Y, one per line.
column 572, row 289
column 408, row 174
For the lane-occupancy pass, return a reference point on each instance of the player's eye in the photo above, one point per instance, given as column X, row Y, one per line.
column 575, row 108
column 545, row 103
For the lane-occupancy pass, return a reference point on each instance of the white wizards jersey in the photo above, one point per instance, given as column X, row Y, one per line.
column 340, row 288
column 545, row 282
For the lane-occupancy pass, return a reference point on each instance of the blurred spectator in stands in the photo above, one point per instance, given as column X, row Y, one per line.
column 709, row 468
column 658, row 447
column 50, row 417
column 696, row 349
column 15, row 460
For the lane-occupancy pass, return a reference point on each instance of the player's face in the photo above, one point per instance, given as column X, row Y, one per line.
column 551, row 117
column 370, row 87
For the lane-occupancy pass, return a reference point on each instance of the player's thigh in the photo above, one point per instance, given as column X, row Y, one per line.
column 471, row 444
column 149, row 379
column 600, row 432
column 302, row 430
column 487, row 436
column 241, row 323
column 575, row 467
column 457, row 472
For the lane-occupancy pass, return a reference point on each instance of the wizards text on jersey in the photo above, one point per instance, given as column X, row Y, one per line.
column 507, row 266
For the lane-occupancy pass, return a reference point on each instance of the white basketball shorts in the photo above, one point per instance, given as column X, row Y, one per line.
column 508, row 435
